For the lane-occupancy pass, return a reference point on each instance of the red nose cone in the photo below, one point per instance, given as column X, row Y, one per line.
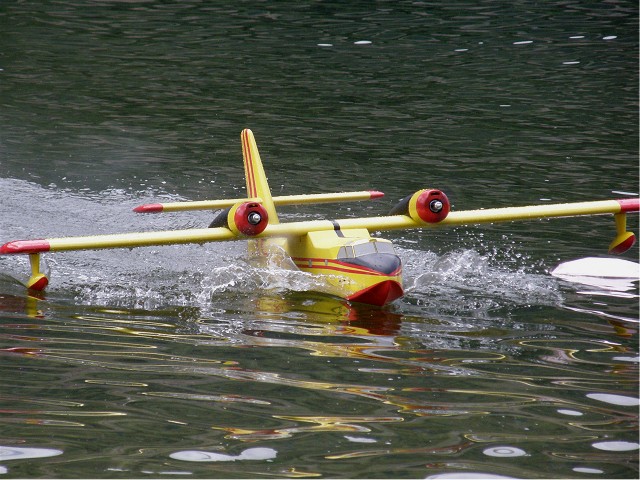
column 379, row 294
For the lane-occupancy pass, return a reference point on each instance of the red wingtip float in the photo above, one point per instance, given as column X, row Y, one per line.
column 354, row 265
column 624, row 240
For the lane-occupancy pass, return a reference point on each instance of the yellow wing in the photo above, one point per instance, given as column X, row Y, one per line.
column 119, row 240
column 619, row 208
column 381, row 223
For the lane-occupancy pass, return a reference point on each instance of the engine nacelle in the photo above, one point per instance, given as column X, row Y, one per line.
column 424, row 206
column 248, row 218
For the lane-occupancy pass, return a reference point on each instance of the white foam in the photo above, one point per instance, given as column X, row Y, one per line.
column 609, row 273
column 615, row 399
column 504, row 451
column 360, row 439
column 587, row 470
column 616, row 446
column 467, row 475
column 20, row 453
column 257, row 453
column 573, row 413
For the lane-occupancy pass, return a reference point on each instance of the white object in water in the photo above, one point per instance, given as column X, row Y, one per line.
column 609, row 273
column 258, row 453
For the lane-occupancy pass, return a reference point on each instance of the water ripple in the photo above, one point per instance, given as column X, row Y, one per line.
column 489, row 367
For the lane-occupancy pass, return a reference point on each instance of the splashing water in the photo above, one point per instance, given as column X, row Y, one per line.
column 191, row 275
column 467, row 281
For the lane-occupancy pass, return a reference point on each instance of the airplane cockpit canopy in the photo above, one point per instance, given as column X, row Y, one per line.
column 367, row 248
column 375, row 255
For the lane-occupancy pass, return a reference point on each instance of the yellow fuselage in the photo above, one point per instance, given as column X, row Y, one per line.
column 355, row 265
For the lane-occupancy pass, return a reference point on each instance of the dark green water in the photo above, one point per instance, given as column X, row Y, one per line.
column 182, row 361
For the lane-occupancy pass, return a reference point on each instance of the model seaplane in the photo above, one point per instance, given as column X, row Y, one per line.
column 355, row 265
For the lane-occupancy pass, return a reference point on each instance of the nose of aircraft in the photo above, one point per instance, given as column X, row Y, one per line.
column 379, row 294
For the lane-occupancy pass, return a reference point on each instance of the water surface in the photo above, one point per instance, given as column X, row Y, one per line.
column 187, row 360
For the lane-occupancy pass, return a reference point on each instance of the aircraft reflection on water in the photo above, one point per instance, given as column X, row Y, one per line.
column 377, row 345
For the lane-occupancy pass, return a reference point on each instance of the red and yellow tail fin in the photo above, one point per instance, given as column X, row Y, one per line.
column 257, row 186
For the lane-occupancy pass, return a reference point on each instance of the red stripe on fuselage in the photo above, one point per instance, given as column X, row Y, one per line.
column 338, row 269
column 336, row 265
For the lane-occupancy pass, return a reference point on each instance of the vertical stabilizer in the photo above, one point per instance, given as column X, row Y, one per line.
column 257, row 186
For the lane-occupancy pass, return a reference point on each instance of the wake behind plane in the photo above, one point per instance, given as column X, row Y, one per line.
column 353, row 264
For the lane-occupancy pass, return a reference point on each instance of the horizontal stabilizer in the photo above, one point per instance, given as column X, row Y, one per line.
column 282, row 200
